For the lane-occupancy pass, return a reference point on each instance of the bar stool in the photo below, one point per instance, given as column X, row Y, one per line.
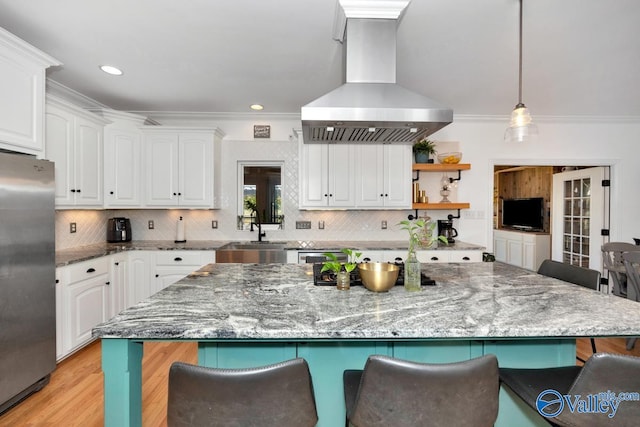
column 577, row 275
column 603, row 374
column 612, row 258
column 278, row 395
column 401, row 393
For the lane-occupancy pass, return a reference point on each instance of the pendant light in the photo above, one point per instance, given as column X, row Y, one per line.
column 521, row 128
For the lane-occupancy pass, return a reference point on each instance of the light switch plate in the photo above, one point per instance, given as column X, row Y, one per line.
column 151, row 226
column 214, row 224
column 72, row 227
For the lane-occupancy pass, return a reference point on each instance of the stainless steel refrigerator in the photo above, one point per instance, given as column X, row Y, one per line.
column 27, row 276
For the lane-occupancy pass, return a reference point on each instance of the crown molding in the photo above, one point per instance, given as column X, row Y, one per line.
column 73, row 96
column 159, row 116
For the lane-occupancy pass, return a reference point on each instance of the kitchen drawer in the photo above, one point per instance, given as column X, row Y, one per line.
column 465, row 256
column 432, row 256
column 87, row 269
column 177, row 258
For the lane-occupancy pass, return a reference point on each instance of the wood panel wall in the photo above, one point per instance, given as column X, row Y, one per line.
column 522, row 181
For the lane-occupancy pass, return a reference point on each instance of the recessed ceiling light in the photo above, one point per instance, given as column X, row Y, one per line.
column 110, row 69
column 256, row 107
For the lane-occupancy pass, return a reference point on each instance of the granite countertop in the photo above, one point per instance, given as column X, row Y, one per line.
column 280, row 302
column 84, row 253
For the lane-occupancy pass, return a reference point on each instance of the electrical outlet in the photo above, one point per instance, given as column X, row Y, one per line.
column 72, row 227
column 151, row 226
column 321, row 225
column 384, row 225
column 214, row 224
column 303, row 225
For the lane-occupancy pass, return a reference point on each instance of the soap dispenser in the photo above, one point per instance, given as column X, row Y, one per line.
column 180, row 231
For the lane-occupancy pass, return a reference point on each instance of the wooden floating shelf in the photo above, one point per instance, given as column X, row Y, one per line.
column 439, row 167
column 440, row 206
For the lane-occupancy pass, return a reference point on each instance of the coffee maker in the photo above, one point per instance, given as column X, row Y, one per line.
column 445, row 228
column 118, row 230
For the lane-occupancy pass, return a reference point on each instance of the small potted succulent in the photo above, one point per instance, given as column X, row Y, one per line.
column 342, row 270
column 423, row 150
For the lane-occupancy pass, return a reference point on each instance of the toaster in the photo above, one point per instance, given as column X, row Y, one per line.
column 118, row 230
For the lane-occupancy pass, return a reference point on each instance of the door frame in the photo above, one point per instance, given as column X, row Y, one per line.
column 615, row 215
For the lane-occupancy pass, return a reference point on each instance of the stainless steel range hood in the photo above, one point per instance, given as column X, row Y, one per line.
column 370, row 107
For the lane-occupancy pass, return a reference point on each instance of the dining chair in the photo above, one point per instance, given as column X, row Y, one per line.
column 577, row 275
column 631, row 262
column 561, row 395
column 278, row 395
column 612, row 258
column 401, row 393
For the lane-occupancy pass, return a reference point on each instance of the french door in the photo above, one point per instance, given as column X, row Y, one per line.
column 580, row 213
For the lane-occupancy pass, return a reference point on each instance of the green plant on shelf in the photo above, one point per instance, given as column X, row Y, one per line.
column 425, row 146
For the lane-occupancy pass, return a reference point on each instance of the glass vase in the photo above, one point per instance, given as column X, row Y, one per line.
column 343, row 281
column 412, row 272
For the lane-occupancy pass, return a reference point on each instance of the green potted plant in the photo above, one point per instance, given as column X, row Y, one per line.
column 423, row 149
column 342, row 270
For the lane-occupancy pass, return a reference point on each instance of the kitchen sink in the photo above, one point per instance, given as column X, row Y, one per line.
column 252, row 252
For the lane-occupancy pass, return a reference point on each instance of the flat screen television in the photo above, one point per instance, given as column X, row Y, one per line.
column 523, row 214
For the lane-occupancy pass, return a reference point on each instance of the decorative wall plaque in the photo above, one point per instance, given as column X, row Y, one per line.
column 261, row 131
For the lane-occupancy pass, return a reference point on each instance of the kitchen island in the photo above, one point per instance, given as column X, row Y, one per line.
column 254, row 314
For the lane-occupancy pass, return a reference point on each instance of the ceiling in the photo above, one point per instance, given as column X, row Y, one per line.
column 581, row 57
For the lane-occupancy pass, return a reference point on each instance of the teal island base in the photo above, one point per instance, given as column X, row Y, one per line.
column 122, row 358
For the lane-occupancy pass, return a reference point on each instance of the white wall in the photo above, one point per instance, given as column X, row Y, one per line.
column 561, row 142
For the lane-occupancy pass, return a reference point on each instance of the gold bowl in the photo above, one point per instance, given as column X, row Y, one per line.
column 378, row 276
column 452, row 158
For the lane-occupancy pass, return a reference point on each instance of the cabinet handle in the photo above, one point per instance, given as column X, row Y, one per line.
column 110, row 192
column 398, row 259
column 177, row 259
column 107, row 283
column 326, row 195
column 175, row 194
column 73, row 190
column 386, row 195
column 157, row 275
column 57, row 280
column 78, row 190
column 466, row 258
column 117, row 263
column 179, row 194
column 434, row 258
column 366, row 259
column 91, row 270
column 330, row 195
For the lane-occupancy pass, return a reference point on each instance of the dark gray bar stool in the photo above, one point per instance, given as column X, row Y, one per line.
column 401, row 393
column 602, row 373
column 278, row 395
column 575, row 274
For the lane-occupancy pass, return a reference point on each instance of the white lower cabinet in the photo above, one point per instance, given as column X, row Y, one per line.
column 84, row 302
column 91, row 292
column 171, row 266
column 383, row 256
column 449, row 256
column 522, row 249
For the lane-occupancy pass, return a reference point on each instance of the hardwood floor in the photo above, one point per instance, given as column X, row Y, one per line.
column 74, row 395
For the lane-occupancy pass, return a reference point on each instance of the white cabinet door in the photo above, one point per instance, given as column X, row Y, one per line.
column 383, row 176
column 195, row 169
column 122, row 167
column 341, row 175
column 171, row 266
column 22, row 85
column 514, row 252
column 62, row 328
column 87, row 298
column 161, row 153
column 74, row 143
column 397, row 176
column 88, row 163
column 314, row 172
column 370, row 176
column 500, row 247
column 139, row 277
column 182, row 168
column 327, row 175
column 118, row 277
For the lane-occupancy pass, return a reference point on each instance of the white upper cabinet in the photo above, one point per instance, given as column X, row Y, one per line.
column 383, row 176
column 353, row 176
column 327, row 176
column 74, row 143
column 182, row 167
column 22, row 89
column 122, row 160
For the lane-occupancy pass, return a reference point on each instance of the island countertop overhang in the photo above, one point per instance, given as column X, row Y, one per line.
column 278, row 302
